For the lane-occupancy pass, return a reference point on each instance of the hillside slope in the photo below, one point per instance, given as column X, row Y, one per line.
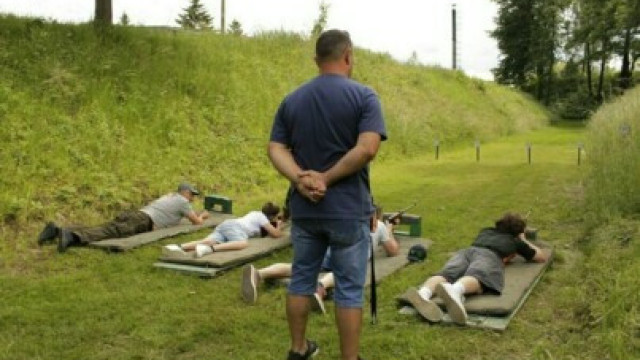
column 93, row 123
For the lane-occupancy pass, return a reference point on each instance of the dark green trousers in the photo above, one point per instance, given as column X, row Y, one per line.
column 125, row 224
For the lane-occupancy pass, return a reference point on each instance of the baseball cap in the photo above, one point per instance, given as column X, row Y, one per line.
column 417, row 253
column 186, row 186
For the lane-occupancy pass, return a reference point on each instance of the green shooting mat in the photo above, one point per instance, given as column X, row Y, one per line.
column 185, row 227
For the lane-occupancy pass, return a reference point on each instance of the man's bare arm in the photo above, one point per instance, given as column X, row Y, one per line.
column 198, row 219
column 283, row 161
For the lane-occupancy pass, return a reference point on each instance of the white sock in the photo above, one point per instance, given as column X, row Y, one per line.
column 173, row 247
column 458, row 288
column 425, row 293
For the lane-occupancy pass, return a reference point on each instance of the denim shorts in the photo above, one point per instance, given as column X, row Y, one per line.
column 349, row 244
column 228, row 230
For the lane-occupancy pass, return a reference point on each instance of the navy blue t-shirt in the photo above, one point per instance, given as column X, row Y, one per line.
column 320, row 122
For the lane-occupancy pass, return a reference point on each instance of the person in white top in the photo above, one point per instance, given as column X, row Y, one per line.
column 234, row 234
column 381, row 235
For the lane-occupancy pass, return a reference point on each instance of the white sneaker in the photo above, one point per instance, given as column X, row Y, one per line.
column 317, row 304
column 202, row 250
column 172, row 249
column 250, row 279
column 454, row 303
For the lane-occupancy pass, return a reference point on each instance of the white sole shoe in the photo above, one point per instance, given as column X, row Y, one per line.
column 317, row 304
column 249, row 284
column 202, row 250
column 454, row 305
column 426, row 308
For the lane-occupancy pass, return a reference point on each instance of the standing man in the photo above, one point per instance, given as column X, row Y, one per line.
column 324, row 135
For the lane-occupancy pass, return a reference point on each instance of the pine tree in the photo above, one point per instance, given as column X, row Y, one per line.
column 195, row 17
column 124, row 19
column 235, row 28
column 321, row 21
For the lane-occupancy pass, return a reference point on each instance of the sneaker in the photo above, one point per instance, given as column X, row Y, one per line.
column 426, row 308
column 49, row 233
column 173, row 249
column 312, row 350
column 453, row 302
column 317, row 304
column 250, row 280
column 66, row 239
column 202, row 250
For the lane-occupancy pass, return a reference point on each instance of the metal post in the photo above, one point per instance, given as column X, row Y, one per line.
column 477, row 150
column 436, row 143
column 454, row 31
column 222, row 13
column 528, row 146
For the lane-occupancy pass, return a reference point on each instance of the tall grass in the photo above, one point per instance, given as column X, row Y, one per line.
column 613, row 148
column 609, row 271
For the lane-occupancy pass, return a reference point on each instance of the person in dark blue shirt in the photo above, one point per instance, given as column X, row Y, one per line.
column 324, row 135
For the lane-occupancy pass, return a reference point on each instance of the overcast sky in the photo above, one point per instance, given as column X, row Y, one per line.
column 398, row 27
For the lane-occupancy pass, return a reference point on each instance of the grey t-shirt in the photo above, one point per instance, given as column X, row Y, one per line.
column 168, row 210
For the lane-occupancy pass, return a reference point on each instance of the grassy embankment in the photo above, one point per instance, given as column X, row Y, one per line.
column 97, row 125
column 94, row 124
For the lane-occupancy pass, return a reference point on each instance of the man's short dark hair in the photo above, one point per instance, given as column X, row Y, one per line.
column 331, row 45
column 511, row 223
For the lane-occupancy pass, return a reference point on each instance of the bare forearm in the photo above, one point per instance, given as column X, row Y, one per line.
column 351, row 162
column 283, row 161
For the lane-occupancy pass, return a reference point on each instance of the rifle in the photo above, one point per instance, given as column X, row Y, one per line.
column 397, row 215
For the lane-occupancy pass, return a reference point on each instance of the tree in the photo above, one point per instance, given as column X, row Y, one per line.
column 528, row 35
column 321, row 21
column 630, row 14
column 195, row 17
column 103, row 12
column 124, row 19
column 235, row 28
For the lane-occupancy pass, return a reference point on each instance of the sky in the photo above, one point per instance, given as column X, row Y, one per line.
column 399, row 27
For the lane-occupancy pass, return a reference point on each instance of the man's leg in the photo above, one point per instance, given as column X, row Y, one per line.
column 125, row 224
column 297, row 316
column 308, row 252
column 349, row 326
column 349, row 256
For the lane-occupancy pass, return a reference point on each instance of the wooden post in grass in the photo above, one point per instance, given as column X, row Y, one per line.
column 436, row 144
column 477, row 150
column 528, row 147
column 580, row 146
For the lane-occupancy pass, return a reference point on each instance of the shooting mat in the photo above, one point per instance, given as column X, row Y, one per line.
column 386, row 265
column 185, row 227
column 495, row 311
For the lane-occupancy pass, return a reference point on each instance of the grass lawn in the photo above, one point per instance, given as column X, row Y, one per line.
column 87, row 304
